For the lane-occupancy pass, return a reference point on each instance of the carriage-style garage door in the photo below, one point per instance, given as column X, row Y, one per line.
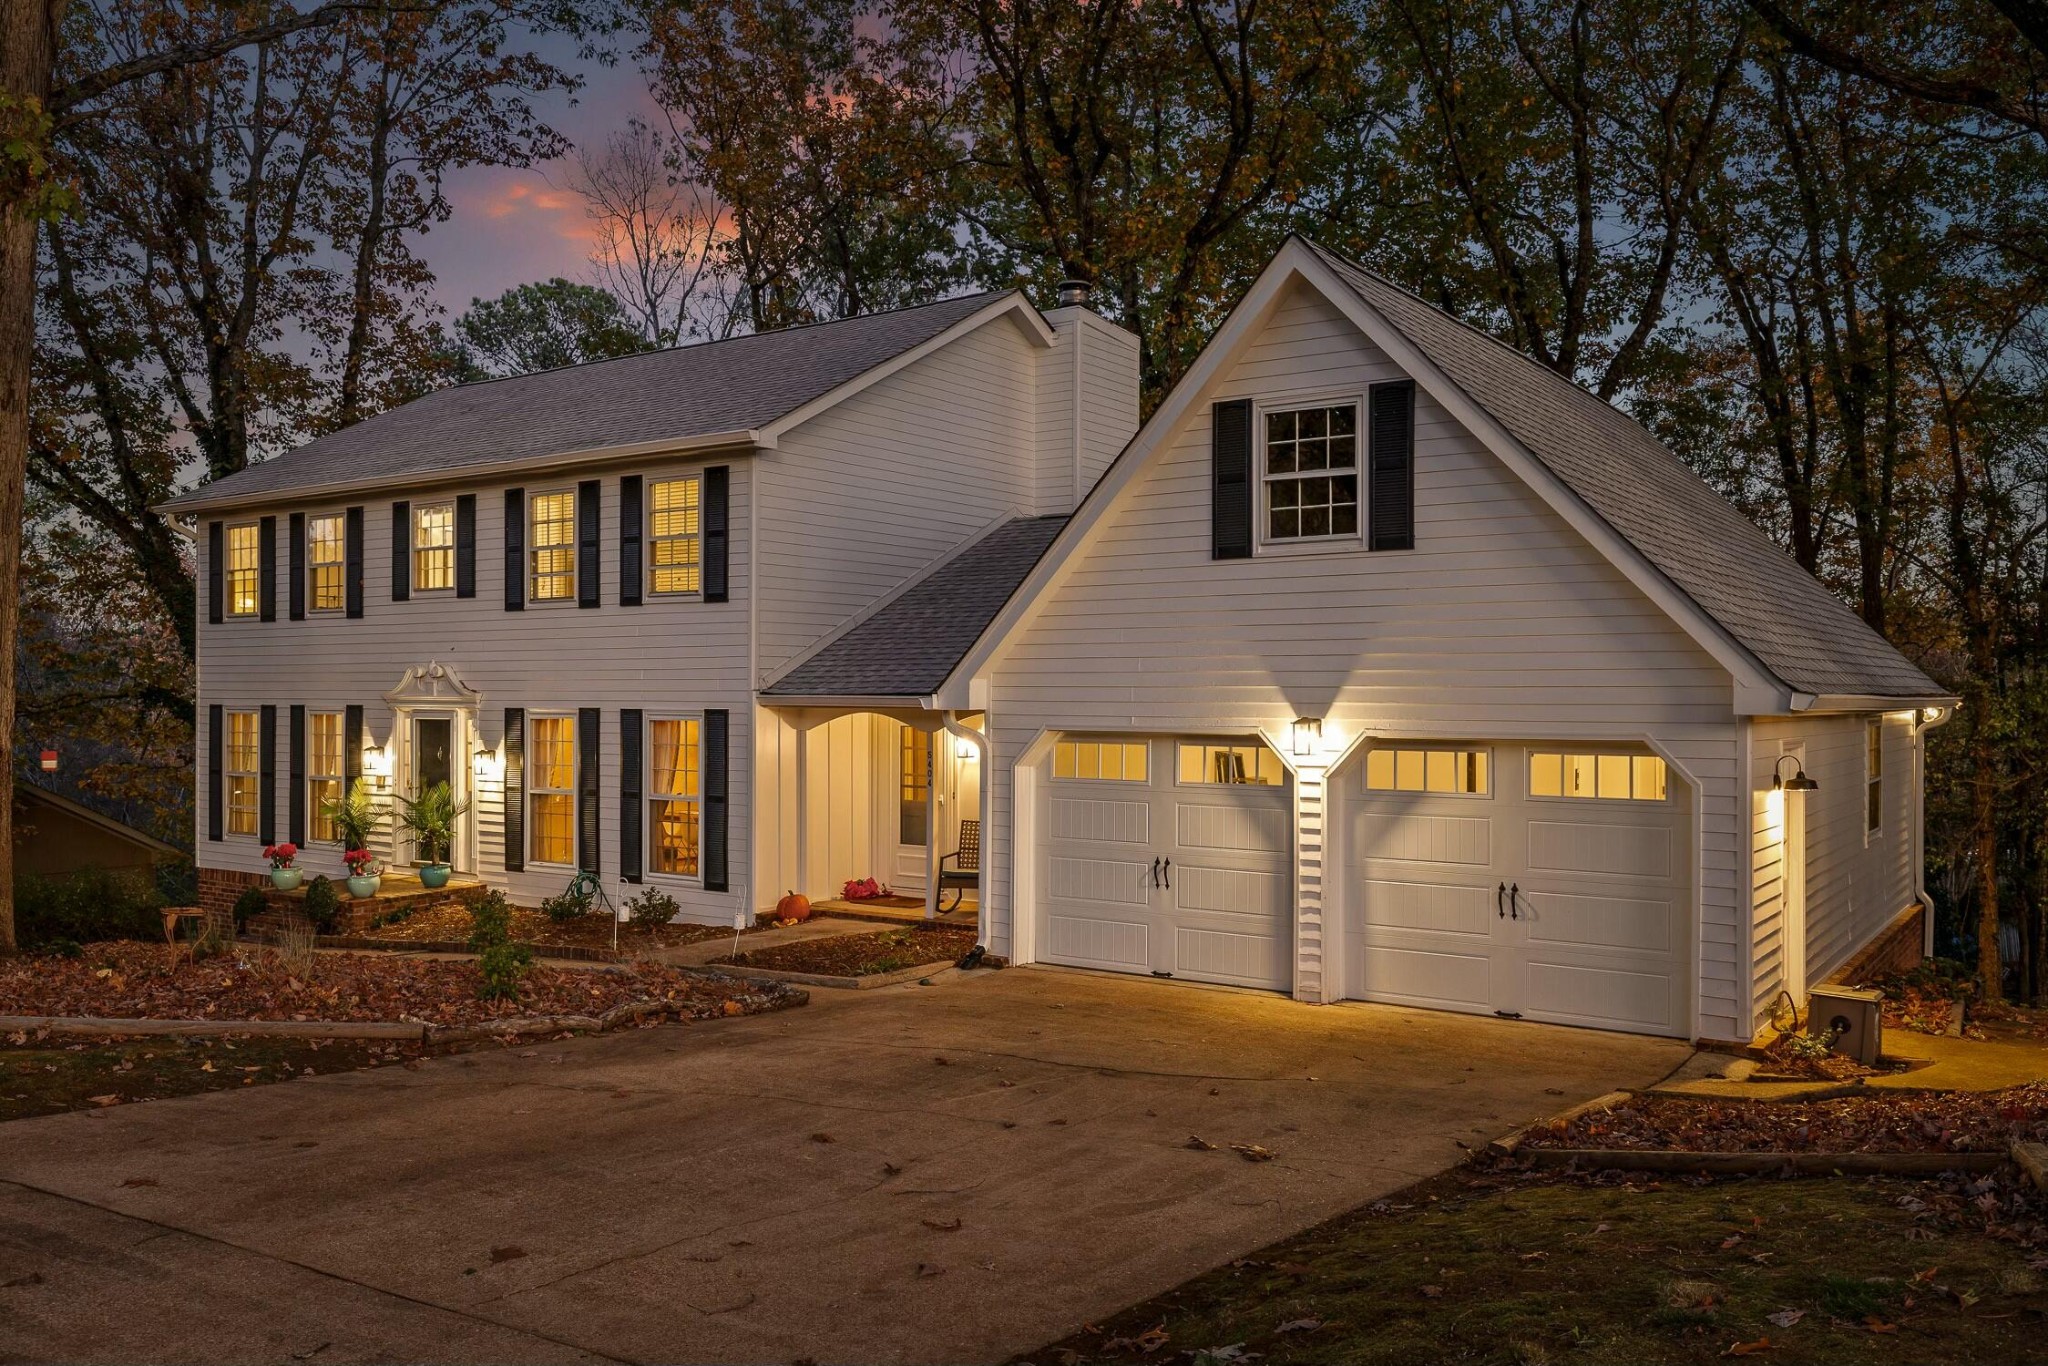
column 1545, row 881
column 1169, row 856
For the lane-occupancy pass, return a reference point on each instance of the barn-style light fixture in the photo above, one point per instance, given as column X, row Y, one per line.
column 1308, row 730
column 1798, row 782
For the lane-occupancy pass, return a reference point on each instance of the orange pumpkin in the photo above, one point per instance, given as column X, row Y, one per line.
column 795, row 906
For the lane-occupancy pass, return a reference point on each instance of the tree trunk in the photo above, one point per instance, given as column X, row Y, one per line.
column 28, row 31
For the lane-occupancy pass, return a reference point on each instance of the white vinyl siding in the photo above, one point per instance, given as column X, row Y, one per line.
column 1503, row 623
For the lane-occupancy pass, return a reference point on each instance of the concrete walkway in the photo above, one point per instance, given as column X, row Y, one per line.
column 822, row 927
column 1935, row 1062
column 943, row 1174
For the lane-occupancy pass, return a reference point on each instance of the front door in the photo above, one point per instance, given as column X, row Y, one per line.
column 432, row 760
column 914, row 810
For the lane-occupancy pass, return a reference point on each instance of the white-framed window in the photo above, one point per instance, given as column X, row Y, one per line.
column 1109, row 761
column 675, row 796
column 675, row 536
column 324, row 773
column 1873, row 780
column 551, row 791
column 1252, row 764
column 1606, row 777
column 1457, row 772
column 551, row 546
column 326, row 558
column 1309, row 457
column 241, row 753
column 244, row 571
column 433, row 547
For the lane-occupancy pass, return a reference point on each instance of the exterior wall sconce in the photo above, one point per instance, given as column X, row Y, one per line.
column 1798, row 782
column 963, row 749
column 488, row 765
column 1308, row 733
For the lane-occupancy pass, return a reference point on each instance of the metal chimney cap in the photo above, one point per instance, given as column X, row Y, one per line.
column 1073, row 293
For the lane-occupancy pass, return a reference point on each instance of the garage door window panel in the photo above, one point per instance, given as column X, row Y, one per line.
column 1107, row 761
column 1440, row 772
column 1230, row 765
column 1598, row 777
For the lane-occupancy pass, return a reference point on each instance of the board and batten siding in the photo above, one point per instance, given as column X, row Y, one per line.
column 1502, row 623
column 679, row 656
column 1855, row 884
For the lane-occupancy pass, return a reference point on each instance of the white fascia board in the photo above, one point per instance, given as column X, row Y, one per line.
column 1867, row 702
column 739, row 442
column 1013, row 304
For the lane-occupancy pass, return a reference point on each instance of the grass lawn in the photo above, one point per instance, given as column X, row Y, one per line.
column 1511, row 1268
column 41, row 1076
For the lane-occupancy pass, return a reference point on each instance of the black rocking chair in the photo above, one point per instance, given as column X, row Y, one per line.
column 965, row 874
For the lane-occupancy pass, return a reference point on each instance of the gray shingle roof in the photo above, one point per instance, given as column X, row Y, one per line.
column 1784, row 616
column 684, row 392
column 908, row 648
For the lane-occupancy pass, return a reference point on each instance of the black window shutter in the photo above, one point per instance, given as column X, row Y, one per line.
column 352, row 573
column 266, row 561
column 266, row 775
column 515, row 553
column 465, row 545
column 717, row 761
column 351, row 747
column 1390, row 451
column 630, row 515
column 216, row 781
column 216, row 576
column 717, row 531
column 629, row 795
column 514, row 745
column 586, row 788
column 1230, row 461
column 295, row 826
column 588, row 581
column 296, row 559
column 401, row 551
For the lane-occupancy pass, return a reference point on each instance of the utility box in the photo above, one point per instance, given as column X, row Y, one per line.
column 1854, row 1015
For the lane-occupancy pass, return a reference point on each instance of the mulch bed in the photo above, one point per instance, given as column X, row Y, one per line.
column 1874, row 1122
column 452, row 925
column 862, row 955
column 143, row 981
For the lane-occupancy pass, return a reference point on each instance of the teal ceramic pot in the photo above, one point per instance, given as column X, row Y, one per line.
column 287, row 879
column 435, row 875
column 363, row 887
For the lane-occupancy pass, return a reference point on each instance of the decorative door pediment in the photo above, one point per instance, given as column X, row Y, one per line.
column 433, row 684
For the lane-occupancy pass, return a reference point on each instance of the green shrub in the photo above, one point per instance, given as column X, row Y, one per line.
column 653, row 907
column 490, row 922
column 85, row 906
column 568, row 906
column 323, row 904
column 499, row 969
column 249, row 904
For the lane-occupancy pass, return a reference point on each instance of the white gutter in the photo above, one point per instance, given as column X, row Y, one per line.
column 1921, row 726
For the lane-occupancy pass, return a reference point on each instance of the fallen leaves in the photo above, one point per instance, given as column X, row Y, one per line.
column 1871, row 1122
column 1253, row 1152
column 1785, row 1318
column 1748, row 1349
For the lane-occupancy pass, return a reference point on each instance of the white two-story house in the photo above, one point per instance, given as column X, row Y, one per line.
column 1380, row 664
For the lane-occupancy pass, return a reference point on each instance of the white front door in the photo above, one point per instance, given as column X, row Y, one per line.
column 1172, row 857
column 1542, row 881
column 916, row 809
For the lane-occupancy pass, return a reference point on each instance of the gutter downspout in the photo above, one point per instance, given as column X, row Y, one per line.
column 1920, row 728
column 961, row 731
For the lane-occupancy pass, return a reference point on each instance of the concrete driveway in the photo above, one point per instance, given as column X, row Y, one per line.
column 941, row 1174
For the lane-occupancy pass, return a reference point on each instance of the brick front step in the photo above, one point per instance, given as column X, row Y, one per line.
column 399, row 892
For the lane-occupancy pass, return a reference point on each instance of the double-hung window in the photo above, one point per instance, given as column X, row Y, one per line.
column 324, row 775
column 242, row 753
column 551, row 553
column 433, row 547
column 326, row 555
column 244, row 569
column 1873, row 779
column 675, row 797
column 675, row 536
column 1309, row 472
column 551, row 790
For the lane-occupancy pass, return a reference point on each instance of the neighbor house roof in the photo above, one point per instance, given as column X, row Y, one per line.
column 1737, row 575
column 909, row 646
column 709, row 389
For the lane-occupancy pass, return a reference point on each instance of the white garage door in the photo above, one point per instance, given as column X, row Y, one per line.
column 1538, row 881
column 1169, row 856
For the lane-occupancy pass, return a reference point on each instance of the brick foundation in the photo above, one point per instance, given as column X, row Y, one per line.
column 1897, row 949
column 219, row 888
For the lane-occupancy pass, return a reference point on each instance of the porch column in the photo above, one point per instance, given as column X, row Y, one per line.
column 982, row 771
column 803, row 810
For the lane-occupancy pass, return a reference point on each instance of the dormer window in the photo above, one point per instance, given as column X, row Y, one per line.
column 1310, row 472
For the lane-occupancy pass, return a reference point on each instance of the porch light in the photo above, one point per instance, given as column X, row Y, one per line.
column 489, row 766
column 1798, row 782
column 1308, row 731
column 49, row 762
column 963, row 749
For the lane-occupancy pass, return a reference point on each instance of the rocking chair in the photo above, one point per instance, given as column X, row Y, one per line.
column 965, row 873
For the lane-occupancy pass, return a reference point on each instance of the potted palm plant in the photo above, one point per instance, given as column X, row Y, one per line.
column 430, row 820
column 355, row 817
